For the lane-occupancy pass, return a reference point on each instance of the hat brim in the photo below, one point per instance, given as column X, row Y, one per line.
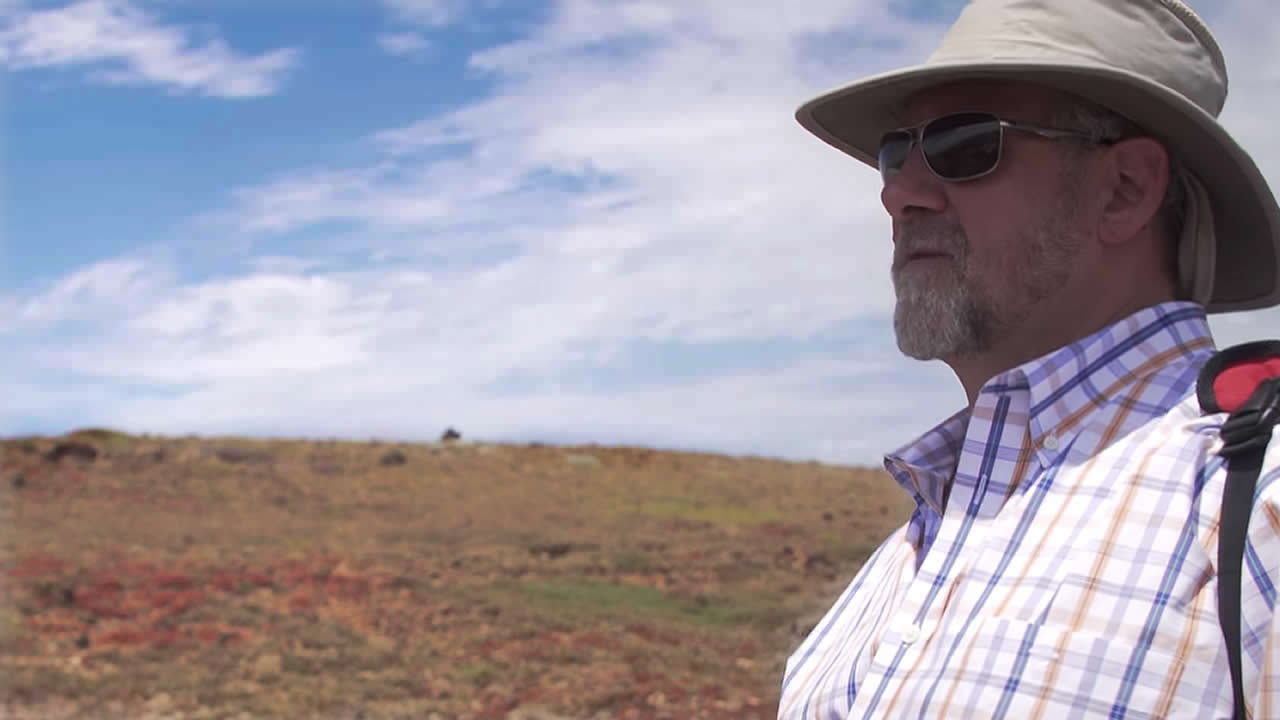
column 1246, row 216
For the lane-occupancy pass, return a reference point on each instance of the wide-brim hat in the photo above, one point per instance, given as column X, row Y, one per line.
column 1152, row 61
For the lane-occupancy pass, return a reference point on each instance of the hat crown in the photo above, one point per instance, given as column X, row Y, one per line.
column 1161, row 40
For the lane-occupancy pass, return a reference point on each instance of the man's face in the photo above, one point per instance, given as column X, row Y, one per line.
column 977, row 262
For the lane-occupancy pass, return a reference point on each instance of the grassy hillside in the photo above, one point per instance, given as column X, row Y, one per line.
column 231, row 578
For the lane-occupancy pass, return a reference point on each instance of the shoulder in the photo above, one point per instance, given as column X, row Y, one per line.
column 1174, row 451
column 1214, row 470
column 1179, row 440
column 1203, row 431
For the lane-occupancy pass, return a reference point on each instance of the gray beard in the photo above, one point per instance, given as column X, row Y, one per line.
column 939, row 319
column 943, row 313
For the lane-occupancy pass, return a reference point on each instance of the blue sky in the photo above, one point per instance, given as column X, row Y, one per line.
column 580, row 221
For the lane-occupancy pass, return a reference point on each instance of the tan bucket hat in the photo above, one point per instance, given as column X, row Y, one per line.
column 1153, row 61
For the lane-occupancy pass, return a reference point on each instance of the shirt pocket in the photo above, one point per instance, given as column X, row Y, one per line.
column 1055, row 672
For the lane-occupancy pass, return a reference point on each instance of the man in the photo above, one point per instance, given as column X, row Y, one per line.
column 1066, row 209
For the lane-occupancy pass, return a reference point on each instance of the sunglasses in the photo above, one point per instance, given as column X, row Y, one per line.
column 961, row 146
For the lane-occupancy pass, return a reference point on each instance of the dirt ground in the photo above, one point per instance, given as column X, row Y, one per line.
column 192, row 578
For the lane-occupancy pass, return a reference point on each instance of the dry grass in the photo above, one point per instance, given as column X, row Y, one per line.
column 225, row 577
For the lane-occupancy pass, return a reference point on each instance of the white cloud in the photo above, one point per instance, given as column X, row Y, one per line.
column 636, row 175
column 98, row 289
column 405, row 43
column 708, row 212
column 389, row 354
column 126, row 46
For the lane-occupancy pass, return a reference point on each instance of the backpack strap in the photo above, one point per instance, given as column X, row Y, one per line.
column 1243, row 381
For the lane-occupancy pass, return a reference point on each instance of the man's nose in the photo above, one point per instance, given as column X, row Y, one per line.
column 913, row 188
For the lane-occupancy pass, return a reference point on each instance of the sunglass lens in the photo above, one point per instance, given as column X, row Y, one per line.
column 895, row 146
column 962, row 146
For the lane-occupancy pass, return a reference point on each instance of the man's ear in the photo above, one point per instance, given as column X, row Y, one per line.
column 1136, row 176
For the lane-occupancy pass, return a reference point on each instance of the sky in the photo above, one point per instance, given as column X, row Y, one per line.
column 578, row 221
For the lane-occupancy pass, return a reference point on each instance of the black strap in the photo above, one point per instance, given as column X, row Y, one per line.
column 1245, row 435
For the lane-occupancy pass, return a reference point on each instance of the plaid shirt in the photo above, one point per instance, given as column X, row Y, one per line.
column 1071, row 572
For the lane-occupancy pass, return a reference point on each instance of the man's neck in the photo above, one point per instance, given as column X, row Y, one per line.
column 976, row 370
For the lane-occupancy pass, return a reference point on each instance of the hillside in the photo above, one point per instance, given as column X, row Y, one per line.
column 232, row 578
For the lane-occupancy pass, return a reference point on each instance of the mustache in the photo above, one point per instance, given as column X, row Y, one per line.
column 928, row 238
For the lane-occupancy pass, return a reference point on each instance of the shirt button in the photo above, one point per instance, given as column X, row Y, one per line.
column 910, row 634
column 1050, row 442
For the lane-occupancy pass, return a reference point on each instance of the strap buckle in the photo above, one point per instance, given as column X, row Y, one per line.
column 1250, row 427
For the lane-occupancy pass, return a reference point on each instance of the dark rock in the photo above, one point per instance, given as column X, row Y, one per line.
column 72, row 449
column 19, row 481
column 68, row 596
column 551, row 550
column 404, row 582
column 82, row 642
column 818, row 559
column 238, row 455
column 393, row 457
column 450, row 435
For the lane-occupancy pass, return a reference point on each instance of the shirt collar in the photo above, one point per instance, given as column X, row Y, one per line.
column 1065, row 387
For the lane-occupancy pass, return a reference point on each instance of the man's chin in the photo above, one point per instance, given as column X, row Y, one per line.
column 925, row 330
column 918, row 352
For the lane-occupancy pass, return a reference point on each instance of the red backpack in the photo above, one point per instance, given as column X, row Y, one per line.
column 1244, row 382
